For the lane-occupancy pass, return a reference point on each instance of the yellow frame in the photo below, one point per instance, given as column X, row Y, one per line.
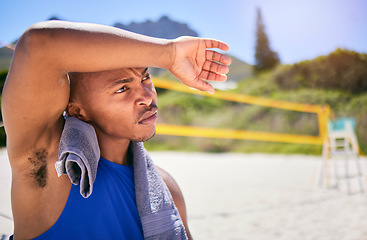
column 323, row 116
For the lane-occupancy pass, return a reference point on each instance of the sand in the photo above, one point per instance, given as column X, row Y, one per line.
column 249, row 196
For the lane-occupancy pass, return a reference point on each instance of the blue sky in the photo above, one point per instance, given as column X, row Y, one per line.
column 298, row 30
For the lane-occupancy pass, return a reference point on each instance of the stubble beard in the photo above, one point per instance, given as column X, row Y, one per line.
column 143, row 139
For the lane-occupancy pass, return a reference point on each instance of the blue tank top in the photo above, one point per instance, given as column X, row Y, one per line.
column 109, row 213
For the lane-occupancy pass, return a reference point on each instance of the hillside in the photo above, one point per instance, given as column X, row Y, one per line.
column 185, row 109
column 5, row 58
column 340, row 70
column 239, row 70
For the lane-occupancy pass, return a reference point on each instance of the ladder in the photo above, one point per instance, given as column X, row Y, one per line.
column 341, row 150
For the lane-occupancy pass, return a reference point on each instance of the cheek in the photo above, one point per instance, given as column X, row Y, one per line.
column 115, row 115
column 115, row 118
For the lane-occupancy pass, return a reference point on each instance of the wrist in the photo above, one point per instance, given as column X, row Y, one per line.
column 166, row 55
column 172, row 54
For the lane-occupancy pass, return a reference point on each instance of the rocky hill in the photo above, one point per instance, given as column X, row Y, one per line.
column 163, row 28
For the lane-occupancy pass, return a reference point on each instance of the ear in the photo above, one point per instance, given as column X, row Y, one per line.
column 75, row 110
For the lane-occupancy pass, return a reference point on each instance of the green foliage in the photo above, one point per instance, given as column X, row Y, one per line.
column 336, row 99
column 3, row 75
column 186, row 109
column 265, row 57
column 5, row 58
column 259, row 85
column 357, row 108
column 342, row 70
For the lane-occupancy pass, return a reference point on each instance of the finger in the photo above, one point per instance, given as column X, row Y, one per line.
column 212, row 76
column 215, row 67
column 212, row 43
column 218, row 57
column 203, row 86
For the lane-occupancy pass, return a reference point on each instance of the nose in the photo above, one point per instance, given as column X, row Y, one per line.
column 144, row 96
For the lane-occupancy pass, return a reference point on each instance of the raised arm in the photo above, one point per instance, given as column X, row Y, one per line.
column 37, row 88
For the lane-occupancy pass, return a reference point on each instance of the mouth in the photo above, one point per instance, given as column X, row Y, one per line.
column 149, row 118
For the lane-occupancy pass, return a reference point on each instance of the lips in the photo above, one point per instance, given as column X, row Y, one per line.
column 149, row 117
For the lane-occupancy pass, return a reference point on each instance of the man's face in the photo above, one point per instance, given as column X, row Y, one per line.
column 120, row 103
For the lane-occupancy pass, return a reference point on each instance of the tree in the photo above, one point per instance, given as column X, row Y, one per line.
column 265, row 58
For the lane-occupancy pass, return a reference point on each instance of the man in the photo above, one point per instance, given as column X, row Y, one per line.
column 97, row 74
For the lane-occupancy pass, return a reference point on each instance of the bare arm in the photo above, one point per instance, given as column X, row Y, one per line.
column 37, row 88
column 37, row 91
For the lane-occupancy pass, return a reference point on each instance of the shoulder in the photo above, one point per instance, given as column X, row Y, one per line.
column 177, row 197
column 173, row 188
column 169, row 181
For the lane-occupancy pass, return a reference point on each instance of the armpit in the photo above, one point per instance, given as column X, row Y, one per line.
column 38, row 169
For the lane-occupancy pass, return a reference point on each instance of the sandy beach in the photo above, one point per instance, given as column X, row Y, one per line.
column 249, row 196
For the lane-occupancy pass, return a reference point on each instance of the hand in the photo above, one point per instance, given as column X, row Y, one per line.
column 193, row 63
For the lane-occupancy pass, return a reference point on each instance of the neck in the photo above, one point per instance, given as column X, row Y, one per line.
column 114, row 150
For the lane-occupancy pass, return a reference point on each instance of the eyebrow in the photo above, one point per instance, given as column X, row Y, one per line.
column 120, row 81
column 126, row 80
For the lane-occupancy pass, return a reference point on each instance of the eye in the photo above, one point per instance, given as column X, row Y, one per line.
column 121, row 90
column 147, row 77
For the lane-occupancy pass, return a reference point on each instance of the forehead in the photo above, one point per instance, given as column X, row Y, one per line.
column 103, row 79
column 116, row 74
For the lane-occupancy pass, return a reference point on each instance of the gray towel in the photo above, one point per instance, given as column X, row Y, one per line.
column 158, row 213
column 78, row 154
column 78, row 158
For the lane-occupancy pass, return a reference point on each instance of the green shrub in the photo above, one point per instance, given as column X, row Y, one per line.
column 342, row 69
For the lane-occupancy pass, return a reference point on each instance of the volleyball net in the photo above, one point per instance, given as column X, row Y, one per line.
column 323, row 113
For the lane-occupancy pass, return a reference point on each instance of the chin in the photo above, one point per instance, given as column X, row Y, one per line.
column 149, row 137
column 143, row 138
